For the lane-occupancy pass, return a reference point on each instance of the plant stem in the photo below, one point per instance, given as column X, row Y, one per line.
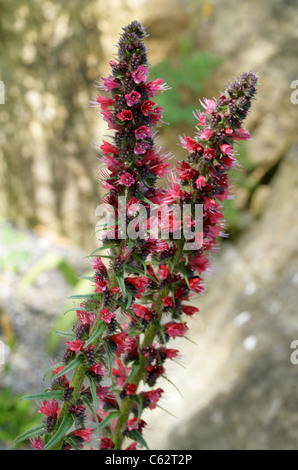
column 76, row 383
column 148, row 339
column 78, row 379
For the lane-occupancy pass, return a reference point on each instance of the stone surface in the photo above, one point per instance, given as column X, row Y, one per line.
column 238, row 382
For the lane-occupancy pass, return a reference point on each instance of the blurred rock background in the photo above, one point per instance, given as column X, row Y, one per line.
column 237, row 379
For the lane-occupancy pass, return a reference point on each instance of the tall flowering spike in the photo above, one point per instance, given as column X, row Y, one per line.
column 139, row 301
column 133, row 160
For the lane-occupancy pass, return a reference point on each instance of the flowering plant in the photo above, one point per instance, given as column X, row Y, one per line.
column 156, row 242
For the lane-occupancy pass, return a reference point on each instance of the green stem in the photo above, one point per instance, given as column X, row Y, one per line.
column 78, row 378
column 76, row 383
column 152, row 331
column 79, row 374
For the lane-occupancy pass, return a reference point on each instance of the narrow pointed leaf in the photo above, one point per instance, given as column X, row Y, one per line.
column 62, row 430
column 127, row 310
column 137, row 436
column 71, row 365
column 121, row 283
column 32, row 432
column 139, row 403
column 93, row 412
column 140, row 261
column 129, row 247
column 109, row 357
column 111, row 416
column 134, row 368
column 170, row 381
column 47, row 395
column 98, row 332
column 65, row 334
column 50, row 369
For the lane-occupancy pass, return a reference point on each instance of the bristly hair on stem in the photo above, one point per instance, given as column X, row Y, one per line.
column 120, row 346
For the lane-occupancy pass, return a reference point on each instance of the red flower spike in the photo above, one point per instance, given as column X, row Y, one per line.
column 139, row 270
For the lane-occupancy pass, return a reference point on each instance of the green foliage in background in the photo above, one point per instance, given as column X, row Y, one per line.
column 67, row 317
column 15, row 416
column 12, row 254
column 187, row 75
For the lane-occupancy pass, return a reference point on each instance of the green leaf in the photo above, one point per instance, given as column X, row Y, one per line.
column 71, row 365
column 47, row 395
column 137, row 436
column 111, row 416
column 165, row 377
column 94, row 399
column 129, row 247
column 134, row 368
column 65, row 334
column 104, row 247
column 160, row 328
column 139, row 403
column 50, row 369
column 93, row 392
column 127, row 310
column 100, row 328
column 109, row 356
column 140, row 261
column 83, row 296
column 166, row 411
column 63, row 428
column 121, row 283
column 129, row 299
column 32, row 432
column 181, row 268
column 86, row 400
column 71, row 442
column 143, row 198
